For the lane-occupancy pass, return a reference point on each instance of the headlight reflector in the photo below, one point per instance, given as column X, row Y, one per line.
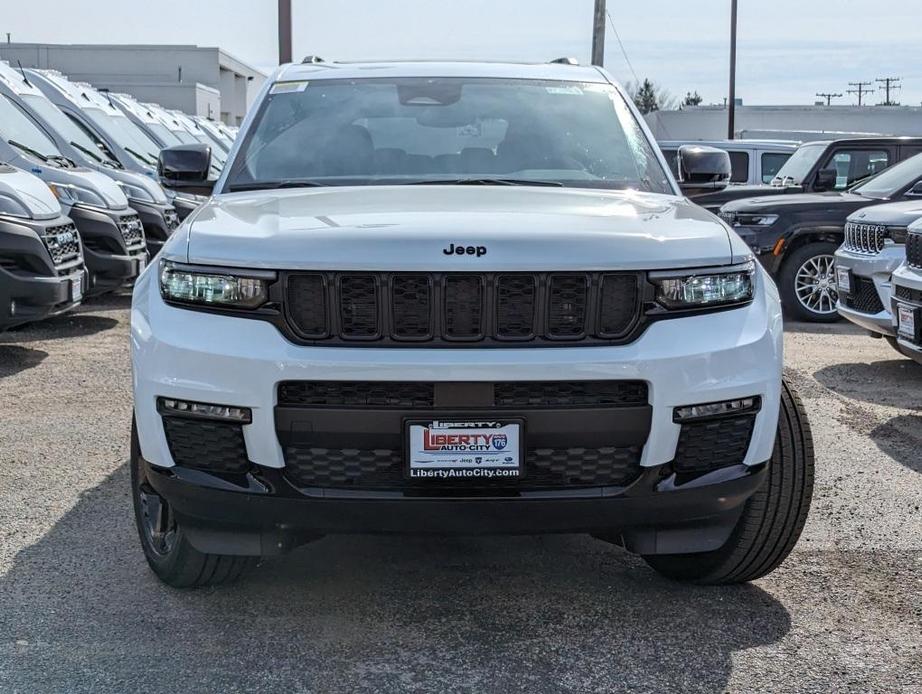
column 755, row 220
column 213, row 287
column 699, row 289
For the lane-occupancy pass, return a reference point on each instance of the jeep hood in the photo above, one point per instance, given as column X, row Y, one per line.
column 787, row 202
column 408, row 227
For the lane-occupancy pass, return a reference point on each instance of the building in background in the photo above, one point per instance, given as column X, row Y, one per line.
column 202, row 81
column 786, row 122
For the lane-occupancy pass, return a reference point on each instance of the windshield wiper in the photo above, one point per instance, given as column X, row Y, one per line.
column 28, row 150
column 273, row 185
column 85, row 151
column 485, row 181
column 139, row 156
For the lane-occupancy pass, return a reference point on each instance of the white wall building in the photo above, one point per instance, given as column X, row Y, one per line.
column 197, row 80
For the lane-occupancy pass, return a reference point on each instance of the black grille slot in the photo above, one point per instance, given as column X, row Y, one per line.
column 570, row 393
column 411, row 306
column 358, row 306
column 914, row 250
column 566, row 310
column 307, row 305
column 864, row 297
column 713, row 444
column 206, row 445
column 463, row 307
column 374, row 394
column 620, row 295
column 515, row 306
column 545, row 468
column 908, row 294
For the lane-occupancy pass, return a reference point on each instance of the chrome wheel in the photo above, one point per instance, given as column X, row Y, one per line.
column 157, row 521
column 815, row 285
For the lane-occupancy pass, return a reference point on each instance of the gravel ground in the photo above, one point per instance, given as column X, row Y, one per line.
column 79, row 611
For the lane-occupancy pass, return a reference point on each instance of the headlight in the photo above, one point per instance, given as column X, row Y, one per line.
column 755, row 220
column 896, row 235
column 213, row 286
column 704, row 288
column 12, row 207
column 133, row 192
column 72, row 194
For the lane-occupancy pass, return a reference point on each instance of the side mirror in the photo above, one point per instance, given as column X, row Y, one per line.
column 825, row 180
column 185, row 168
column 915, row 191
column 702, row 169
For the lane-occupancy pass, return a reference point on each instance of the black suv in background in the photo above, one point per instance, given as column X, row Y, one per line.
column 818, row 167
column 796, row 236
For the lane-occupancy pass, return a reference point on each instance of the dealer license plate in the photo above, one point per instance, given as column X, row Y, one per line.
column 76, row 287
column 455, row 449
column 906, row 319
column 843, row 276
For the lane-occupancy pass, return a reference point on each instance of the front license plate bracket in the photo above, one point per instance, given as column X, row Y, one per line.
column 451, row 448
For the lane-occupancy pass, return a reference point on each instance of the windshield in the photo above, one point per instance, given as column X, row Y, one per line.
column 891, row 181
column 126, row 134
column 64, row 126
column 167, row 137
column 386, row 131
column 184, row 136
column 800, row 163
column 23, row 134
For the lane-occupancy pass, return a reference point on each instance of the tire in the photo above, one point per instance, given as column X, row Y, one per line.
column 796, row 276
column 169, row 554
column 772, row 519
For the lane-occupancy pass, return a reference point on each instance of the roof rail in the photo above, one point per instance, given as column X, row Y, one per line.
column 312, row 59
column 564, row 61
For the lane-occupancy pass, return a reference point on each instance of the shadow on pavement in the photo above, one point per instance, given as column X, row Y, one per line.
column 842, row 327
column 14, row 359
column 67, row 326
column 895, row 382
column 81, row 611
column 901, row 439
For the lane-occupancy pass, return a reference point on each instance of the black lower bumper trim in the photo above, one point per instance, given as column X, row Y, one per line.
column 262, row 514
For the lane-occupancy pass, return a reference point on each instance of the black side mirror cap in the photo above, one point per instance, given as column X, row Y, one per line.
column 185, row 168
column 825, row 180
column 702, row 168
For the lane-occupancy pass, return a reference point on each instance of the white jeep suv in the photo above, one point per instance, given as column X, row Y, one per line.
column 459, row 298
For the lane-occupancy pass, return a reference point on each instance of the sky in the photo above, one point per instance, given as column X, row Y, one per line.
column 788, row 50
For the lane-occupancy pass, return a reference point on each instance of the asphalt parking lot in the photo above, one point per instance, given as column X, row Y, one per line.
column 79, row 611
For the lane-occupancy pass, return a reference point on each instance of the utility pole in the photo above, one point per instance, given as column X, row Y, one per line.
column 890, row 84
column 731, row 110
column 598, row 33
column 859, row 89
column 829, row 96
column 284, row 31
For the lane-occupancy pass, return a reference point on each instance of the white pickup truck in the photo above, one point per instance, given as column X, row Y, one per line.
column 459, row 298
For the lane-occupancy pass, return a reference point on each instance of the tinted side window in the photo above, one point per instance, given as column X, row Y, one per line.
column 852, row 165
column 909, row 151
column 772, row 163
column 739, row 165
column 672, row 158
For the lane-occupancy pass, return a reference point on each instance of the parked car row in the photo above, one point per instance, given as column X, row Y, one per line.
column 81, row 208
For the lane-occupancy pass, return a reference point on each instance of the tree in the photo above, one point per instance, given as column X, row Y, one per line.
column 649, row 97
column 692, row 99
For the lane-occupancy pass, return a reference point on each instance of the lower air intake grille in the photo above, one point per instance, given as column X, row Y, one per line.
column 713, row 444
column 908, row 294
column 454, row 309
column 864, row 297
column 205, row 445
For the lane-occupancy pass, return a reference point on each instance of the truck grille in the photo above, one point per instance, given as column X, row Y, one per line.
column 864, row 297
column 63, row 244
column 503, row 309
column 914, row 250
column 171, row 219
column 132, row 231
column 865, row 238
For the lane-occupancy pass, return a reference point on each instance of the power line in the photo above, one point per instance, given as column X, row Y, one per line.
column 890, row 84
column 859, row 89
column 829, row 96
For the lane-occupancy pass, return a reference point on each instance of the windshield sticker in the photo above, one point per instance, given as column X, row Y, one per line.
column 288, row 87
column 572, row 91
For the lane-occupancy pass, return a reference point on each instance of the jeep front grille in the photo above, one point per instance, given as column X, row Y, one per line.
column 914, row 250
column 132, row 231
column 63, row 244
column 865, row 238
column 502, row 309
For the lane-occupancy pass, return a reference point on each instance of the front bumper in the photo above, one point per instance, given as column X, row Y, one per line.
column 877, row 269
column 110, row 263
column 159, row 220
column 907, row 290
